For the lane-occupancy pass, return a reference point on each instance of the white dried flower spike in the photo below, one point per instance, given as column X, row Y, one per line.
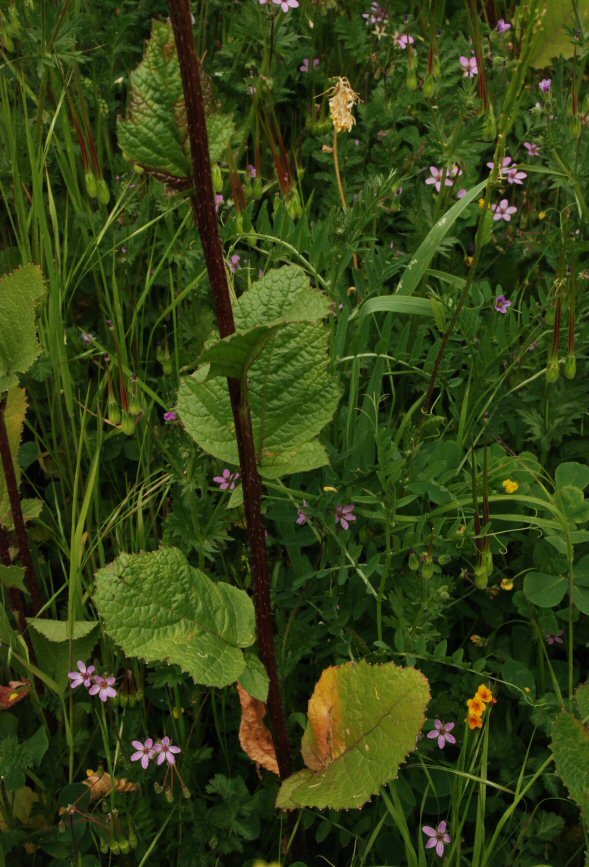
column 341, row 102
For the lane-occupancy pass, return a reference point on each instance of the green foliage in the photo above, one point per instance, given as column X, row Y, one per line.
column 20, row 293
column 290, row 388
column 570, row 746
column 14, row 417
column 57, row 647
column 201, row 625
column 18, row 757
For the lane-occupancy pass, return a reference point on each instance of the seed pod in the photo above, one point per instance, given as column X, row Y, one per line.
column 114, row 411
column 552, row 369
column 413, row 561
column 91, row 186
column 411, row 80
column 429, row 86
column 128, row 424
column 103, row 192
column 570, row 367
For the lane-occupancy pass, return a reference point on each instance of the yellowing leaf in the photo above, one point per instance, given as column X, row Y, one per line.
column 363, row 720
column 254, row 735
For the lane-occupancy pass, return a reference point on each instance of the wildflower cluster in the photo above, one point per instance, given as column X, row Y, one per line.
column 478, row 705
column 96, row 684
column 162, row 750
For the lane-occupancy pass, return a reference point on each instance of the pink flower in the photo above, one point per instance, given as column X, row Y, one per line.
column 165, row 750
column 252, row 172
column 441, row 732
column 285, row 5
column 545, row 85
column 306, row 64
column 234, row 263
column 219, row 200
column 344, row 515
column 515, row 176
column 555, row 637
column 377, row 14
column 144, row 752
column 84, row 675
column 404, row 40
column 461, row 193
column 103, row 687
column 469, row 66
column 227, row 480
column 503, row 210
column 302, row 516
column 438, row 838
column 170, row 416
column 532, row 149
column 437, row 174
column 506, row 162
column 502, row 304
column 503, row 26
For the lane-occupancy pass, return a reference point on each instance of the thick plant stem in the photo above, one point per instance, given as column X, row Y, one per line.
column 16, row 510
column 203, row 205
column 15, row 597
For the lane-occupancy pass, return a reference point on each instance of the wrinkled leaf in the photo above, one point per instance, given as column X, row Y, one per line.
column 254, row 678
column 158, row 607
column 363, row 720
column 570, row 745
column 20, row 293
column 254, row 735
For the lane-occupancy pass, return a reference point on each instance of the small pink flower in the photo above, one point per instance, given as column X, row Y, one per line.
column 302, row 516
column 84, row 675
column 469, row 66
column 227, row 480
column 506, row 162
column 404, row 40
column 170, row 416
column 234, row 263
column 503, row 210
column 503, row 26
column 438, row 838
column 555, row 637
column 285, row 5
column 461, row 193
column 532, row 148
column 165, row 751
column 144, row 752
column 545, row 85
column 219, row 200
column 306, row 64
column 515, row 176
column 502, row 304
column 437, row 174
column 252, row 172
column 441, row 732
column 103, row 687
column 344, row 515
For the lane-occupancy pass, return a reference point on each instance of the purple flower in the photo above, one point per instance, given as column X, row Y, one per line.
column 438, row 838
column 532, row 149
column 344, row 515
column 503, row 210
column 515, row 176
column 461, row 193
column 441, row 731
column 377, row 15
column 503, row 26
column 87, row 338
column 506, row 162
column 545, row 85
column 302, row 516
column 144, row 752
column 437, row 174
column 252, row 171
column 227, row 480
column 404, row 40
column 82, row 676
column 502, row 304
column 469, row 66
column 555, row 637
column 165, row 750
column 170, row 416
column 219, row 200
column 285, row 5
column 306, row 64
column 103, row 687
column 234, row 263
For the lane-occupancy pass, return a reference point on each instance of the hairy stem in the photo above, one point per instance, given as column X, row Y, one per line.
column 16, row 510
column 203, row 206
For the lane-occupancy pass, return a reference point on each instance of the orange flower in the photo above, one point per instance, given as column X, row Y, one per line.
column 475, row 722
column 484, row 694
column 476, row 706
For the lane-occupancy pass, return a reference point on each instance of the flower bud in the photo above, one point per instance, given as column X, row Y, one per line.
column 138, row 169
column 429, row 87
column 169, row 795
column 125, row 847
column 552, row 369
column 133, row 841
column 115, row 847
column 135, row 407
column 570, row 366
column 114, row 412
column 436, row 68
column 411, row 80
column 104, row 847
column 427, row 566
column 217, row 178
column 293, row 205
column 128, row 424
column 186, row 792
column 91, row 187
column 61, row 826
column 103, row 192
column 413, row 561
column 444, row 559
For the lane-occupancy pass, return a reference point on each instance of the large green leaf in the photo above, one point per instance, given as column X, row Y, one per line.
column 20, row 292
column 554, row 39
column 160, row 608
column 291, row 390
column 14, row 417
column 570, row 745
column 56, row 653
column 544, row 590
column 363, row 721
column 572, row 473
column 154, row 135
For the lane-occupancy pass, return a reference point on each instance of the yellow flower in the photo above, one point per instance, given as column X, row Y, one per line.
column 507, row 584
column 484, row 694
column 475, row 722
column 329, row 488
column 542, row 215
column 509, row 486
column 476, row 706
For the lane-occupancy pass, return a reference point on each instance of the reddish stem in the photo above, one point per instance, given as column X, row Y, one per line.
column 15, row 597
column 203, row 206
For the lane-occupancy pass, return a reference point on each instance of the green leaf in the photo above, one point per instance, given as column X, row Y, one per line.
column 581, row 584
column 582, row 699
column 154, row 135
column 20, row 292
column 254, row 678
column 544, row 590
column 417, row 267
column 53, row 650
column 572, row 473
column 17, row 758
column 12, row 576
column 572, row 503
column 160, row 608
column 363, row 721
column 554, row 40
column 394, row 304
column 291, row 389
column 14, row 417
column 570, row 745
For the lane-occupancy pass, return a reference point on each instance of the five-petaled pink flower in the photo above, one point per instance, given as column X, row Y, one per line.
column 285, row 5
column 227, row 480
column 502, row 304
column 532, row 148
column 469, row 66
column 165, row 751
column 515, row 176
column 503, row 210
column 144, row 752
column 437, row 175
column 503, row 26
column 404, row 40
column 84, row 675
column 441, row 731
column 302, row 516
column 438, row 838
column 344, row 515
column 103, row 687
column 506, row 162
column 545, row 85
column 306, row 64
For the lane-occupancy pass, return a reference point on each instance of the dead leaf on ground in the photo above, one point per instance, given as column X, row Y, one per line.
column 100, row 785
column 14, row 692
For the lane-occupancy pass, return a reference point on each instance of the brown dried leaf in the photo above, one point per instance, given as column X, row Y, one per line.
column 254, row 735
column 100, row 785
column 15, row 691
